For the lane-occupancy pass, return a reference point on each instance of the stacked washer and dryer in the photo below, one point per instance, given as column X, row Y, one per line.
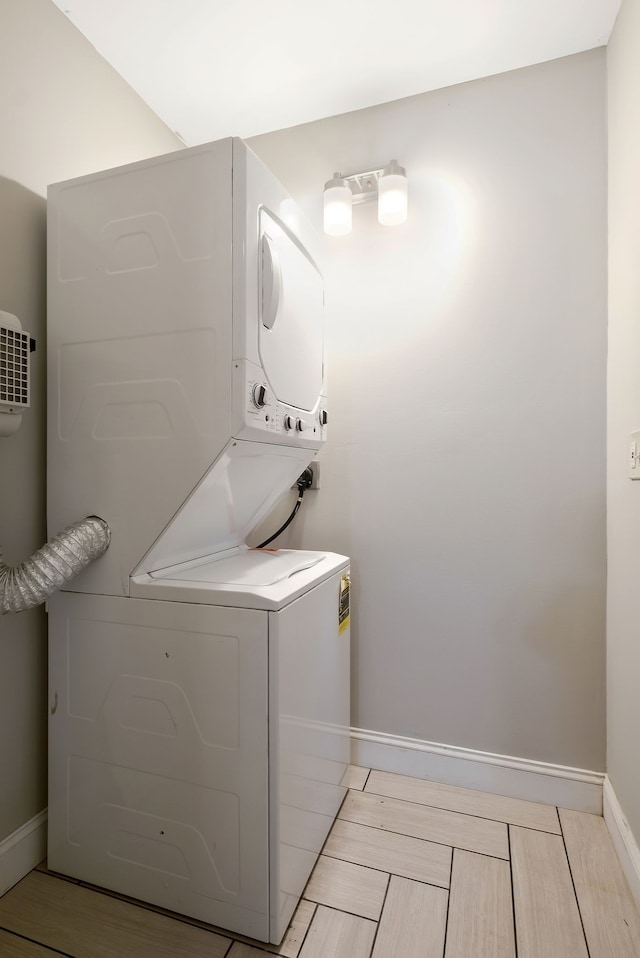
column 199, row 689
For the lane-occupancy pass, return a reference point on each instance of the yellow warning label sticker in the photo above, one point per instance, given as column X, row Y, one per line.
column 344, row 614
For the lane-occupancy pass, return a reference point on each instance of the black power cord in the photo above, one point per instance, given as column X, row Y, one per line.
column 302, row 482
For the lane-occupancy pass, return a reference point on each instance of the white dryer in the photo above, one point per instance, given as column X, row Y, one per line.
column 199, row 704
column 199, row 739
column 186, row 363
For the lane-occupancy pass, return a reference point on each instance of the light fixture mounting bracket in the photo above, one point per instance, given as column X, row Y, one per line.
column 363, row 186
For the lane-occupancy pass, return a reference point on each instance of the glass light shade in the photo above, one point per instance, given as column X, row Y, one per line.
column 392, row 195
column 337, row 207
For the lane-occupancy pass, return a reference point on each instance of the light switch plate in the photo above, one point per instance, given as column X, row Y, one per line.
column 634, row 455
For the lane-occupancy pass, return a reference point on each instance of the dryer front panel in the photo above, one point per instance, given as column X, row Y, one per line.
column 279, row 392
column 290, row 328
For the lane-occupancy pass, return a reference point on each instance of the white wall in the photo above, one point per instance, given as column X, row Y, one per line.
column 465, row 471
column 63, row 112
column 623, row 500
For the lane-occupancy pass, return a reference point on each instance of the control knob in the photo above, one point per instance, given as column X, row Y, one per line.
column 323, row 417
column 259, row 395
column 289, row 422
column 300, row 425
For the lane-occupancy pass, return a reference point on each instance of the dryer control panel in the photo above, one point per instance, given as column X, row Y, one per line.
column 259, row 415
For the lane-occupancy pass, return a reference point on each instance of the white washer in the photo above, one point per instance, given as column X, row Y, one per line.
column 199, row 690
column 199, row 741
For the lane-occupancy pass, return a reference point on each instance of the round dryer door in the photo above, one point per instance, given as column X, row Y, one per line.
column 291, row 336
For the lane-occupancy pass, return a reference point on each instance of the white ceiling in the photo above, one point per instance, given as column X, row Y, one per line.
column 214, row 68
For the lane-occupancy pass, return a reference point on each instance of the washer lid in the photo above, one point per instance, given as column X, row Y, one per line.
column 243, row 578
column 251, row 568
column 290, row 338
column 240, row 488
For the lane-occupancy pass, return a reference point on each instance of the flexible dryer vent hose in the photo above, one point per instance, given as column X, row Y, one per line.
column 30, row 583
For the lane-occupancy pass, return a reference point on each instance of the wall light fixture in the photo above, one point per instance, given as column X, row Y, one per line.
column 388, row 185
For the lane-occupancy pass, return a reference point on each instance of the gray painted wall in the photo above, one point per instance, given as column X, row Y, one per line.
column 464, row 473
column 465, row 470
column 623, row 501
column 63, row 112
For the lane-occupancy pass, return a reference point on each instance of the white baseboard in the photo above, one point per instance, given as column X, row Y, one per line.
column 623, row 839
column 22, row 851
column 501, row 774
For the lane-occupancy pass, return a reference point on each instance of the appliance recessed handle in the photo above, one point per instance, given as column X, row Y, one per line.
column 271, row 283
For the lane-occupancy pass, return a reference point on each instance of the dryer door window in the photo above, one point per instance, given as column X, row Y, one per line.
column 291, row 317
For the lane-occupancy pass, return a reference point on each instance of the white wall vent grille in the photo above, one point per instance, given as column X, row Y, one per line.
column 14, row 367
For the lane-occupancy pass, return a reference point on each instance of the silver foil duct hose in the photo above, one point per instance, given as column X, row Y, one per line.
column 30, row 583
